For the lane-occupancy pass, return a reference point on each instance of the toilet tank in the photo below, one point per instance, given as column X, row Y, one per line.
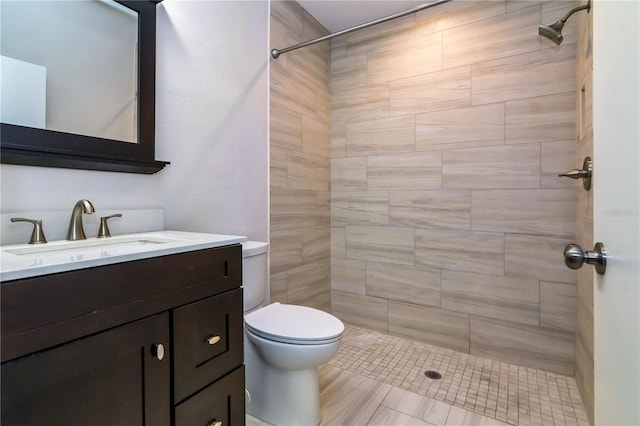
column 254, row 273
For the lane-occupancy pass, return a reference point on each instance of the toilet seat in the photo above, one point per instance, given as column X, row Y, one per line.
column 293, row 324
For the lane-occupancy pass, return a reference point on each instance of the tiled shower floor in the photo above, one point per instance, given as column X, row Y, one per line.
column 377, row 379
column 509, row 393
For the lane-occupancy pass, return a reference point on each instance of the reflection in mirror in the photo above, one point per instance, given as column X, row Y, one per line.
column 70, row 66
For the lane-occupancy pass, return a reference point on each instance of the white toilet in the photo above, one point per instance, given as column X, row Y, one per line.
column 283, row 346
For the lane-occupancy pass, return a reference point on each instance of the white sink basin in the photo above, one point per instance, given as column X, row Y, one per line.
column 76, row 250
column 25, row 260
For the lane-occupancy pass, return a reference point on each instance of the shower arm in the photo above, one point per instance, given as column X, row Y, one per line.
column 277, row 52
column 577, row 9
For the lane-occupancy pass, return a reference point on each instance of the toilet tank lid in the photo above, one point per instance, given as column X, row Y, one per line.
column 252, row 248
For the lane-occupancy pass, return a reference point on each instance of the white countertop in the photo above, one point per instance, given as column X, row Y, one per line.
column 30, row 260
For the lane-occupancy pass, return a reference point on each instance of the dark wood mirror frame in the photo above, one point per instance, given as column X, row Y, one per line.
column 39, row 147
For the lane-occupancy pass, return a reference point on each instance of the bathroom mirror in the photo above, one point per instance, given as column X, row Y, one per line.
column 78, row 84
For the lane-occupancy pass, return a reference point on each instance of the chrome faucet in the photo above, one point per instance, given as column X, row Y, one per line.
column 76, row 231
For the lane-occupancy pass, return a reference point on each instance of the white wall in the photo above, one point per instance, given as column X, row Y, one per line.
column 212, row 115
column 211, row 123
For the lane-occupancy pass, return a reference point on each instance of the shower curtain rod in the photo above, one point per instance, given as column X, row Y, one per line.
column 277, row 52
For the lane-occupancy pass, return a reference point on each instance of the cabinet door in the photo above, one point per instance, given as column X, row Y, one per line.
column 112, row 378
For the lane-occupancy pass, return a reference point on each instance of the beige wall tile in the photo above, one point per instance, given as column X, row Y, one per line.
column 311, row 65
column 388, row 36
column 481, row 252
column 496, row 37
column 338, row 242
column 290, row 92
column 412, row 284
column 338, row 140
column 538, row 73
column 435, row 326
column 558, row 306
column 348, row 174
column 511, row 166
column 431, row 209
column 481, row 125
column 307, row 171
column 349, row 276
column 278, row 168
column 521, row 4
column 456, row 13
column 285, row 250
column 348, row 72
column 527, row 211
column 386, row 135
column 285, row 129
column 381, row 244
column 421, row 57
column 321, row 301
column 360, row 208
column 543, row 348
column 316, row 243
column 296, row 209
column 323, row 107
column 431, row 92
column 316, row 137
column 504, row 298
column 323, row 199
column 556, row 158
column 405, row 171
column 365, row 311
column 360, row 104
column 538, row 257
column 541, row 119
column 308, row 281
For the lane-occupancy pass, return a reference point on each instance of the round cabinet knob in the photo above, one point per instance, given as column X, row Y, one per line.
column 157, row 350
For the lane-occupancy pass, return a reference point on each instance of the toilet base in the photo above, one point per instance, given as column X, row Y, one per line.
column 281, row 397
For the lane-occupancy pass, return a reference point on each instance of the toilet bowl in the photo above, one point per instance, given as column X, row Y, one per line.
column 284, row 345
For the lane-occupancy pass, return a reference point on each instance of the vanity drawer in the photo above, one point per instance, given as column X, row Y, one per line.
column 207, row 342
column 221, row 402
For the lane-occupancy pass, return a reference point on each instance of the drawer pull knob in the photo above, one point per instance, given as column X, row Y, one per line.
column 212, row 340
column 157, row 350
column 214, row 422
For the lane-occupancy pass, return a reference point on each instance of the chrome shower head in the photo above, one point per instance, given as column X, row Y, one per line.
column 554, row 31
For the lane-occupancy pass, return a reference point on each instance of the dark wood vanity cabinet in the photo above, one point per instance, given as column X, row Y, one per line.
column 150, row 342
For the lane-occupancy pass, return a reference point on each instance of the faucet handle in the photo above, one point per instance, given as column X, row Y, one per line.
column 104, row 232
column 37, row 236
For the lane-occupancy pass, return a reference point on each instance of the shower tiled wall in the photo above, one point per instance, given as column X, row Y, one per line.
column 584, row 225
column 448, row 219
column 300, row 143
